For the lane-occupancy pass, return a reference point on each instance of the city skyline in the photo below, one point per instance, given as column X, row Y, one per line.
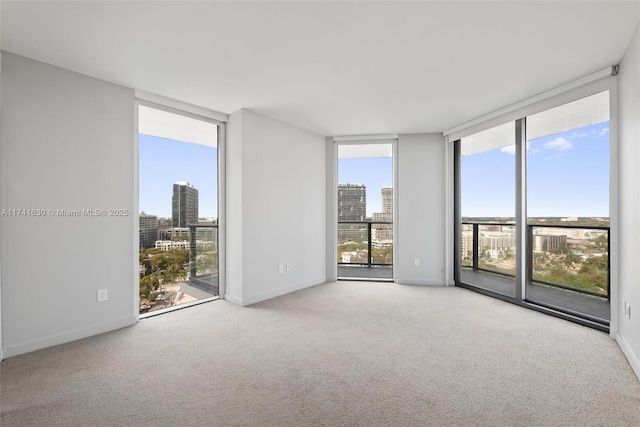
column 373, row 172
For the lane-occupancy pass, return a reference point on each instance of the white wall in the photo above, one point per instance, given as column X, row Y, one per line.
column 331, row 210
column 275, row 208
column 629, row 201
column 420, row 216
column 67, row 143
column 1, row 354
column 233, row 194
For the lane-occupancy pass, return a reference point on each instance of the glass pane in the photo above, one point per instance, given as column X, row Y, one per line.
column 568, row 206
column 365, row 211
column 467, row 231
column 496, row 248
column 178, row 181
column 353, row 243
column 488, row 209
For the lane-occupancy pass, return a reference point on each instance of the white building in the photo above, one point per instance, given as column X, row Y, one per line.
column 497, row 243
column 168, row 245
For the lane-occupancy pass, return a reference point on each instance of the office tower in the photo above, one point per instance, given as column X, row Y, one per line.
column 387, row 200
column 148, row 230
column 184, row 205
column 384, row 231
column 352, row 202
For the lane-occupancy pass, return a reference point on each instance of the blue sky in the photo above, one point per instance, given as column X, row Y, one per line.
column 567, row 175
column 163, row 162
column 374, row 173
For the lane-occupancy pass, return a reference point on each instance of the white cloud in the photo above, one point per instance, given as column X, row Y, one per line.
column 509, row 149
column 578, row 135
column 559, row 143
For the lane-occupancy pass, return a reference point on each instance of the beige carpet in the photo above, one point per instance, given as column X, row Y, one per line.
column 337, row 354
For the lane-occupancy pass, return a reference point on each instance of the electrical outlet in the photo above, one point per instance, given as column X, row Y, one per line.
column 627, row 309
column 102, row 295
column 281, row 268
column 416, row 262
column 288, row 268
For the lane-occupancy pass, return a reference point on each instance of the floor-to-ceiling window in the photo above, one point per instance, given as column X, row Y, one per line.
column 178, row 202
column 532, row 209
column 365, row 211
column 568, row 206
column 487, row 178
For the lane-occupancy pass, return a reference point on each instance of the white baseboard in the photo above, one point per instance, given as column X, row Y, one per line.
column 27, row 347
column 628, row 352
column 422, row 282
column 232, row 299
column 274, row 293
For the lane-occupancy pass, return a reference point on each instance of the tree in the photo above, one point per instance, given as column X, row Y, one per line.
column 571, row 259
column 602, row 241
column 508, row 253
column 148, row 284
column 564, row 249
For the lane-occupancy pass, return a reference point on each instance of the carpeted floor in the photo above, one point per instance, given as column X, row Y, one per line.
column 337, row 354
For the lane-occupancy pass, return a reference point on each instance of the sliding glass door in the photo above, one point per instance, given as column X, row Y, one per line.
column 532, row 210
column 487, row 194
column 178, row 200
column 568, row 206
column 365, row 211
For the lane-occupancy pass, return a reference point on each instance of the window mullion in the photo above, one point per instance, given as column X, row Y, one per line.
column 521, row 208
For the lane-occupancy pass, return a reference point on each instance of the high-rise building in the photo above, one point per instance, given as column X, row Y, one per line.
column 387, row 200
column 148, row 230
column 352, row 202
column 184, row 205
column 384, row 232
column 467, row 245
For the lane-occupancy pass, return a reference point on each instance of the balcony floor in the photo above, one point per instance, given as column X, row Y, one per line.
column 363, row 272
column 199, row 290
column 546, row 295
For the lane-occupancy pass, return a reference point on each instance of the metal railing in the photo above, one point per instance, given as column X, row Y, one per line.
column 203, row 255
column 366, row 251
column 572, row 261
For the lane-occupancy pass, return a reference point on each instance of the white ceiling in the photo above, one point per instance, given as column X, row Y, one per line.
column 334, row 68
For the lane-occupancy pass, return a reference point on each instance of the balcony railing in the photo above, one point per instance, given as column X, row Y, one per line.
column 570, row 257
column 203, row 256
column 365, row 243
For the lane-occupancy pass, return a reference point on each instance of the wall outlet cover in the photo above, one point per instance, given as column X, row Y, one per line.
column 102, row 295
